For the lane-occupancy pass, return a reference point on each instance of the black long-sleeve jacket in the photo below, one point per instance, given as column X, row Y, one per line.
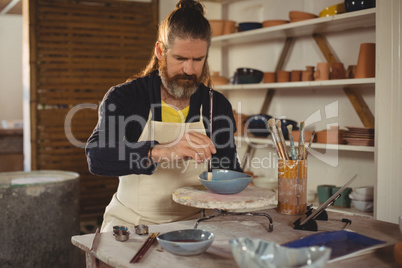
column 122, row 117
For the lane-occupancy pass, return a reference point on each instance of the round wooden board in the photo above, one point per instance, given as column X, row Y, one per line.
column 250, row 198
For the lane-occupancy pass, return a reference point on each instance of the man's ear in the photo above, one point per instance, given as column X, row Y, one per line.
column 158, row 50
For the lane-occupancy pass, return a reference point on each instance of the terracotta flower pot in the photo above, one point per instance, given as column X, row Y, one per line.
column 366, row 61
column 269, row 77
column 283, row 76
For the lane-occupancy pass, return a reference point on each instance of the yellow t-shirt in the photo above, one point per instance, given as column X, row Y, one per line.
column 171, row 115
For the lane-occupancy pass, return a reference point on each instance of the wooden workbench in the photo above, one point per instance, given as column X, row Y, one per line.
column 118, row 254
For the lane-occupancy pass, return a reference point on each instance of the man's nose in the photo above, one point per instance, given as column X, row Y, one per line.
column 188, row 67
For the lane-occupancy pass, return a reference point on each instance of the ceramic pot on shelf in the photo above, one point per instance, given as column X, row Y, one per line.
column 366, row 61
column 218, row 79
column 338, row 71
column 322, row 71
column 308, row 74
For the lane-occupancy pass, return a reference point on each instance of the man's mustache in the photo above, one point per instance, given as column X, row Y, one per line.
column 191, row 77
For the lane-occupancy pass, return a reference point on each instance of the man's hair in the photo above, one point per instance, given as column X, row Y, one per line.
column 186, row 21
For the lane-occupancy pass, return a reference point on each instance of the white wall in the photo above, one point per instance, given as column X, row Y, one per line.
column 10, row 67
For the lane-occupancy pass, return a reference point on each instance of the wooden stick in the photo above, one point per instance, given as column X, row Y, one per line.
column 144, row 248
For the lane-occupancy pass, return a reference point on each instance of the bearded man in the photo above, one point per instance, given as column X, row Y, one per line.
column 153, row 131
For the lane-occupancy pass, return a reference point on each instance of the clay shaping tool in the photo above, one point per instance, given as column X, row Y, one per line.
column 211, row 98
column 292, row 143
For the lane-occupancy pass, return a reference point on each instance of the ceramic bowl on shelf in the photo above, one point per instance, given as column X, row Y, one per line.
column 295, row 16
column 353, row 5
column 269, row 23
column 247, row 26
column 248, row 76
column 225, row 181
column 218, row 79
column 253, row 253
column 258, row 125
column 187, row 242
column 365, row 206
column 333, row 10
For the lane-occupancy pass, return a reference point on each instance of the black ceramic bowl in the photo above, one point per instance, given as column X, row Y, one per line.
column 247, row 26
column 258, row 125
column 248, row 76
column 354, row 5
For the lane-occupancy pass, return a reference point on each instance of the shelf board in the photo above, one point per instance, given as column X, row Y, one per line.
column 327, row 84
column 337, row 23
column 320, row 146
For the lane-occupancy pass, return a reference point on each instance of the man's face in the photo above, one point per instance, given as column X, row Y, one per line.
column 182, row 65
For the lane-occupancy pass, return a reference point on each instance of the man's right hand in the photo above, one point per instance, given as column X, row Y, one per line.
column 191, row 145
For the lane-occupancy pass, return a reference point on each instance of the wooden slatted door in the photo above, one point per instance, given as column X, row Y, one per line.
column 78, row 50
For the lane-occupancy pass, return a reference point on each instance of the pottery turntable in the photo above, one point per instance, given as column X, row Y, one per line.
column 250, row 198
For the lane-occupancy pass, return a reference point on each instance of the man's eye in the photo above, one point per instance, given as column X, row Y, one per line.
column 181, row 59
column 199, row 59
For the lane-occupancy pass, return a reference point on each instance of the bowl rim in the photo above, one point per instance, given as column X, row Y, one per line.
column 247, row 176
column 209, row 237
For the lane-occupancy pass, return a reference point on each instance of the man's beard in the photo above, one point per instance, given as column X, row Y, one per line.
column 180, row 86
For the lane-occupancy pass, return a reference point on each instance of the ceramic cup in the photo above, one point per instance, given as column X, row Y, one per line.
column 351, row 71
column 283, row 76
column 338, row 71
column 292, row 187
column 295, row 75
column 308, row 74
column 269, row 77
column 366, row 61
column 322, row 72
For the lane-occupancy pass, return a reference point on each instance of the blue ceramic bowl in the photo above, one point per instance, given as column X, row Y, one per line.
column 354, row 5
column 258, row 125
column 247, row 26
column 284, row 125
column 256, row 253
column 187, row 242
column 248, row 76
column 225, row 181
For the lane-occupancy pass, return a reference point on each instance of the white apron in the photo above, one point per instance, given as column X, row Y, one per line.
column 147, row 199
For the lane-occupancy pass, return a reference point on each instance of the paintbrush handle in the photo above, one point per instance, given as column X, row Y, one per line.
column 292, row 147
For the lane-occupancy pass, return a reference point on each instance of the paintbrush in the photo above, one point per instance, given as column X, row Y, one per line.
column 302, row 149
column 281, row 137
column 275, row 138
column 309, row 144
column 292, row 143
column 211, row 98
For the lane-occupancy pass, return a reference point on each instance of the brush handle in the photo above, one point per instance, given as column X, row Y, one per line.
column 211, row 100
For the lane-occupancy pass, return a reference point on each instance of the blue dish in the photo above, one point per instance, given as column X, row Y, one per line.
column 247, row 26
column 248, row 76
column 258, row 125
column 225, row 181
column 187, row 242
column 257, row 253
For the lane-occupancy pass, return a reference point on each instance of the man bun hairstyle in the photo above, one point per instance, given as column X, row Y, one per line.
column 186, row 21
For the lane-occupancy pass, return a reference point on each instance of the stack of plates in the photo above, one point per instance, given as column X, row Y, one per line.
column 359, row 136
